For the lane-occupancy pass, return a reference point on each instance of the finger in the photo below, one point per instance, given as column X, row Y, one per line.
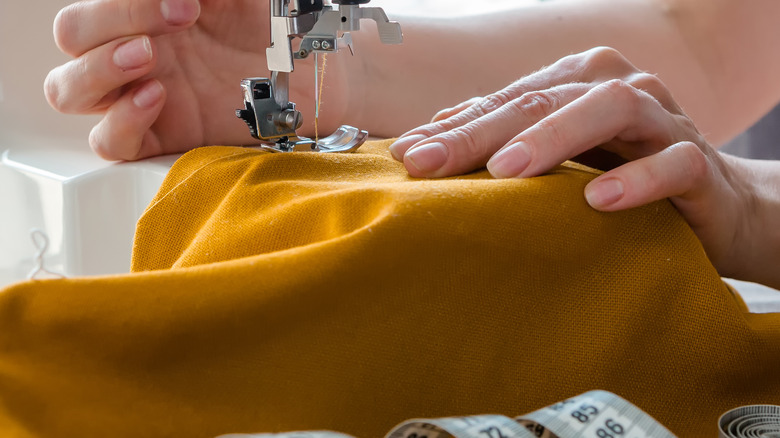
column 469, row 147
column 91, row 82
column 613, row 110
column 124, row 133
column 84, row 25
column 654, row 86
column 595, row 65
column 449, row 112
column 479, row 109
column 675, row 171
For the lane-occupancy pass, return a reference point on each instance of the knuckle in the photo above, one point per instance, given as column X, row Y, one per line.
column 601, row 56
column 687, row 126
column 97, row 144
column 647, row 82
column 623, row 94
column 470, row 137
column 477, row 108
column 492, row 102
column 441, row 115
column 449, row 112
column 569, row 61
column 695, row 161
column 109, row 148
column 60, row 85
column 52, row 91
column 535, row 105
column 435, row 127
column 444, row 125
column 604, row 62
column 655, row 87
column 469, row 103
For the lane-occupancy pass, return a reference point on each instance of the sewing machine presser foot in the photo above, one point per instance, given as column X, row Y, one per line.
column 344, row 140
column 274, row 120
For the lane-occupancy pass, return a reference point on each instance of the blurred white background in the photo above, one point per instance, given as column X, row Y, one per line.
column 27, row 53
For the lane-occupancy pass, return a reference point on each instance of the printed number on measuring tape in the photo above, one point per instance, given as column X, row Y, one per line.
column 596, row 414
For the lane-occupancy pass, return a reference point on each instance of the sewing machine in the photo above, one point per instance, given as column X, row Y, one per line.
column 271, row 117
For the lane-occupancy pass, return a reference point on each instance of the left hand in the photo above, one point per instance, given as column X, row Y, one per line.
column 165, row 74
column 596, row 100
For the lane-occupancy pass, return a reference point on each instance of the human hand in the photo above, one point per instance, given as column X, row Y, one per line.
column 165, row 74
column 597, row 100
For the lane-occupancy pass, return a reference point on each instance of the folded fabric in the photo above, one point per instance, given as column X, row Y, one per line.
column 278, row 292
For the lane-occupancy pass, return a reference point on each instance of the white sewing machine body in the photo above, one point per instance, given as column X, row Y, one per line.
column 86, row 208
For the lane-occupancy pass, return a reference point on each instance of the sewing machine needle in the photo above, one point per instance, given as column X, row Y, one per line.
column 316, row 85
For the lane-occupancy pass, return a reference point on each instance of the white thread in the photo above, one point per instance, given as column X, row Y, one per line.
column 41, row 243
column 316, row 85
column 319, row 83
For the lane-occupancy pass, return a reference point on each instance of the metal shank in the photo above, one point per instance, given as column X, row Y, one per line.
column 268, row 113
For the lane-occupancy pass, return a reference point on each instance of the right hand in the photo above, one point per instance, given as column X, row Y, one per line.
column 598, row 102
column 165, row 74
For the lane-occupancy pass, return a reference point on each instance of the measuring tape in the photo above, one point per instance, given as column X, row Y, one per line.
column 595, row 414
column 759, row 421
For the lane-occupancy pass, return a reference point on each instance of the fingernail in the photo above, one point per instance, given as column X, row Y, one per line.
column 398, row 148
column 428, row 157
column 510, row 162
column 180, row 11
column 604, row 193
column 133, row 54
column 148, row 95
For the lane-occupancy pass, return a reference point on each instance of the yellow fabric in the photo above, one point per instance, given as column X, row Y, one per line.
column 277, row 292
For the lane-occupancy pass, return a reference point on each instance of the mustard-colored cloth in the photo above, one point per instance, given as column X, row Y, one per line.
column 278, row 292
